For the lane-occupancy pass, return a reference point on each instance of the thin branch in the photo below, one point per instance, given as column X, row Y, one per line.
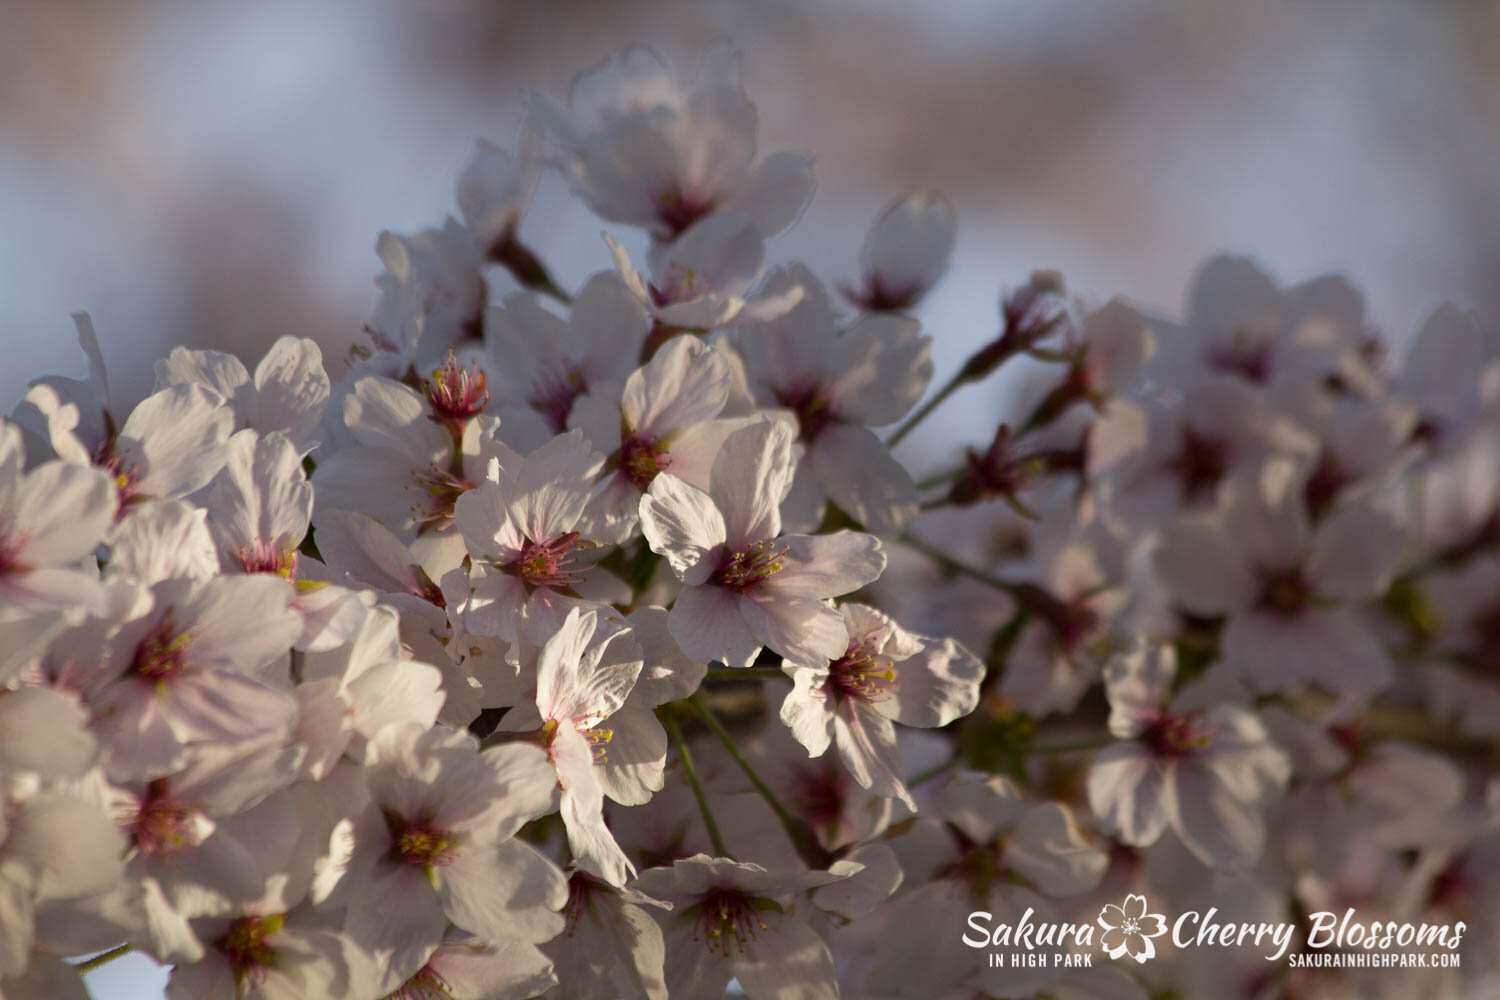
column 801, row 834
column 951, row 564
column 669, row 719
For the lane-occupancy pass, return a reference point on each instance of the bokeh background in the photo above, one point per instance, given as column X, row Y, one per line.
column 215, row 174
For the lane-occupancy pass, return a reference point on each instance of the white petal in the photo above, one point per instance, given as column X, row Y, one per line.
column 751, row 476
column 682, row 523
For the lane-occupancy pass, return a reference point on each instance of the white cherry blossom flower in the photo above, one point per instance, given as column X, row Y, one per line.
column 1285, row 588
column 905, row 252
column 733, row 921
column 436, row 845
column 839, row 385
column 703, row 281
column 545, row 364
column 746, row 584
column 647, row 148
column 51, row 519
column 1203, row 772
column 885, row 675
column 287, row 394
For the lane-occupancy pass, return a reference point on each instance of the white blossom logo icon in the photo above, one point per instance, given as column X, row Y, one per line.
column 1129, row 928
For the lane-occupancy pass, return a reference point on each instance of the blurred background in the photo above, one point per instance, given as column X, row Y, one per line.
column 215, row 174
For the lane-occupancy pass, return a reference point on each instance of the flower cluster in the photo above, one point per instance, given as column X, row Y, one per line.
column 598, row 645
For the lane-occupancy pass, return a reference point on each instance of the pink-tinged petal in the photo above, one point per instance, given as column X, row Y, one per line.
column 820, row 566
column 43, row 590
column 397, row 917
column 43, row 730
column 162, row 539
column 493, row 605
column 802, row 630
column 775, row 193
column 708, row 625
column 140, row 739
column 58, row 514
column 1049, row 850
column 527, row 786
column 684, row 383
column 70, row 846
column 668, row 674
column 1138, row 683
column 177, row 438
column 1127, row 792
column 260, row 499
column 682, row 524
column 553, row 486
column 635, row 756
column 504, row 892
column 225, row 705
column 401, row 691
column 857, row 470
column 884, row 367
column 1329, row 647
column 808, row 710
column 331, row 615
column 1221, row 831
column 376, row 481
column 224, row 373
column 584, row 672
column 382, row 413
column 909, row 245
column 934, row 686
column 582, row 808
column 1354, row 552
column 292, row 390
column 482, row 516
column 242, row 622
column 1203, row 568
column 867, row 746
column 751, row 476
column 785, row 959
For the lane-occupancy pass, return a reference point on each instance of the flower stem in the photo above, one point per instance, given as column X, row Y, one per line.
column 954, row 566
column 102, row 959
column 926, row 408
column 1078, row 746
column 669, row 719
column 747, row 674
column 801, row 834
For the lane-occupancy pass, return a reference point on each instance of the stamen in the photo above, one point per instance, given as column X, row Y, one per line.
column 749, row 566
column 246, row 948
column 439, row 491
column 1181, row 735
column 417, row 843
column 262, row 557
column 159, row 654
column 456, row 394
column 1285, row 591
column 640, row 459
column 161, row 825
column 861, row 673
column 727, row 914
column 547, row 564
column 807, row 401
